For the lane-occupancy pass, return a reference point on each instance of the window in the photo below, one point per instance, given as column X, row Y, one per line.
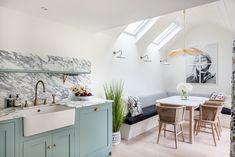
column 167, row 34
column 135, row 28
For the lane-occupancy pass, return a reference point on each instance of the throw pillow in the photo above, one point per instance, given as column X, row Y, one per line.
column 134, row 106
column 217, row 96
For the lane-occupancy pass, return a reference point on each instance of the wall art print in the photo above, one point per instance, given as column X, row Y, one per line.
column 202, row 69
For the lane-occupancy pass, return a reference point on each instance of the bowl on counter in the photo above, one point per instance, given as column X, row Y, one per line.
column 81, row 98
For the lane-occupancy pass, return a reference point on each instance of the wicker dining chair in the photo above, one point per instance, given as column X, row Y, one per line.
column 221, row 105
column 171, row 114
column 212, row 103
column 208, row 115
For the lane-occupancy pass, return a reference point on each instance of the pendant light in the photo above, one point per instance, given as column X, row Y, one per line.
column 184, row 50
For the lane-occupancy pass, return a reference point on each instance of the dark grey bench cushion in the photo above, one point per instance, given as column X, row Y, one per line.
column 148, row 112
column 226, row 111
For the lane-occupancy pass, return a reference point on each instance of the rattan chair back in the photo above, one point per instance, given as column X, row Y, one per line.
column 209, row 112
column 214, row 103
column 171, row 113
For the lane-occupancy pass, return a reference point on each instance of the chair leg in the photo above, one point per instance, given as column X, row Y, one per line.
column 175, row 132
column 198, row 127
column 164, row 129
column 217, row 131
column 195, row 126
column 220, row 127
column 213, row 133
column 159, row 132
column 181, row 129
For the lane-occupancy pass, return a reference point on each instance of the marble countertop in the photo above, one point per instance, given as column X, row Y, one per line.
column 66, row 102
column 79, row 104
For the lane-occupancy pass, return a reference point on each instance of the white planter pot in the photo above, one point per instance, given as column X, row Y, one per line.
column 116, row 138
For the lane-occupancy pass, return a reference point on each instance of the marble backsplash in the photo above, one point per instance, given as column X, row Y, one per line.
column 24, row 83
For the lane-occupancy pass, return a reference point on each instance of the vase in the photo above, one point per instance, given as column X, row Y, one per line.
column 183, row 95
column 116, row 138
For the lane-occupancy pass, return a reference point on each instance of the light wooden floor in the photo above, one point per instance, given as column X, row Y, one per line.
column 146, row 145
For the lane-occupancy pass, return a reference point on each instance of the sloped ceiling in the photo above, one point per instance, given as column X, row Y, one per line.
column 98, row 15
column 219, row 14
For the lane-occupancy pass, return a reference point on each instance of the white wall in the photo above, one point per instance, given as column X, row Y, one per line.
column 27, row 34
column 203, row 34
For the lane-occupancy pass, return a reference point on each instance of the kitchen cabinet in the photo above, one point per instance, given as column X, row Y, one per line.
column 95, row 124
column 58, row 144
column 39, row 147
column 90, row 136
column 7, row 139
column 63, row 144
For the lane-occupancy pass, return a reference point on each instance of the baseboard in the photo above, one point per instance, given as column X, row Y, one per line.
column 130, row 131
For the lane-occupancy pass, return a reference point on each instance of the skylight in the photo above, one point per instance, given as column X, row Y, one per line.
column 167, row 34
column 136, row 27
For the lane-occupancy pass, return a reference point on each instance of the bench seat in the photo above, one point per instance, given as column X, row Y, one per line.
column 226, row 111
column 148, row 112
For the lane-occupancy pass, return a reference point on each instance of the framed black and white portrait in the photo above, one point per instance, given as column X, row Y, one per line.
column 202, row 69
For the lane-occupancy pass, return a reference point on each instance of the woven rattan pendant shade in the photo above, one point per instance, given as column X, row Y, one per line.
column 185, row 51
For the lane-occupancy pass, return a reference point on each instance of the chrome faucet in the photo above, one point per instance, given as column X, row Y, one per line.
column 36, row 92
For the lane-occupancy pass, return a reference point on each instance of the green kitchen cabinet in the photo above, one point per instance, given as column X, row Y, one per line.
column 57, row 144
column 63, row 144
column 95, row 124
column 7, row 139
column 39, row 147
column 90, row 136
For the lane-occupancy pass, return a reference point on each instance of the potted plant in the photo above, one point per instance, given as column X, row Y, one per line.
column 113, row 91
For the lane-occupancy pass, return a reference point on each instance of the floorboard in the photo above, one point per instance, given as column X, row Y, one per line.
column 145, row 145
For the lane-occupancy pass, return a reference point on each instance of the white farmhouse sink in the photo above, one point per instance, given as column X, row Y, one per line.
column 45, row 118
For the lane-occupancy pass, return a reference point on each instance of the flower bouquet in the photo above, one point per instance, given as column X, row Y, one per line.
column 184, row 89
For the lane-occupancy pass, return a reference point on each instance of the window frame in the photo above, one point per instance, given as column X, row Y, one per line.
column 137, row 29
column 167, row 34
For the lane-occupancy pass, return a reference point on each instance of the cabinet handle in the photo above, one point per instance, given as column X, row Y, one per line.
column 96, row 109
column 48, row 147
column 54, row 145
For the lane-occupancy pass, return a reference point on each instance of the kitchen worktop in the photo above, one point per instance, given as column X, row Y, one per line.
column 79, row 104
column 67, row 102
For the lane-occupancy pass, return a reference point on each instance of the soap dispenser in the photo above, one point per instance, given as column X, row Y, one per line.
column 10, row 101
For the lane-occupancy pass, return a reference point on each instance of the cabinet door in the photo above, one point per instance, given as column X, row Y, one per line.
column 63, row 144
column 39, row 147
column 94, row 130
column 7, row 140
